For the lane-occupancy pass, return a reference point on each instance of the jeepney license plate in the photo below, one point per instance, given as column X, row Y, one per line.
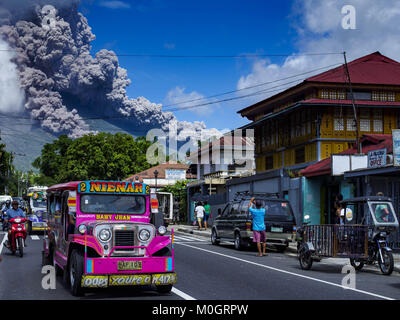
column 273, row 229
column 129, row 265
column 163, row 278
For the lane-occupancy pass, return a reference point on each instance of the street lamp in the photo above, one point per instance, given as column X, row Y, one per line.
column 156, row 175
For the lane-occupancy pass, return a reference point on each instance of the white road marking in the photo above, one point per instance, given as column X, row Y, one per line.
column 35, row 237
column 182, row 294
column 291, row 273
column 185, row 238
column 2, row 243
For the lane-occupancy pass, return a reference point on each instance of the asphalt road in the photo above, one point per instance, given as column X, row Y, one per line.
column 207, row 272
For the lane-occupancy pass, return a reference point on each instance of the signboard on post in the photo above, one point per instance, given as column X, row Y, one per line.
column 341, row 163
column 175, row 174
column 396, row 147
column 377, row 158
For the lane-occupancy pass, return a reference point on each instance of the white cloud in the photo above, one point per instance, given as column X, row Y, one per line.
column 115, row 4
column 12, row 97
column 192, row 101
column 319, row 30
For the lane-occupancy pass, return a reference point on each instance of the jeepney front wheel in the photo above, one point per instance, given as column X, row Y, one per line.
column 76, row 267
column 164, row 288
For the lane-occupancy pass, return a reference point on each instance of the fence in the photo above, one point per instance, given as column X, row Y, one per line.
column 341, row 241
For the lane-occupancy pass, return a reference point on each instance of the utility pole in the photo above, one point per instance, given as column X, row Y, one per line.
column 354, row 106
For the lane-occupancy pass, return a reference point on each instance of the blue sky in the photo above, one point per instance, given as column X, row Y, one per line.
column 190, row 28
column 219, row 27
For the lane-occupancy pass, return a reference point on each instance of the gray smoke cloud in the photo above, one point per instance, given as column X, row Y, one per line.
column 11, row 95
column 54, row 62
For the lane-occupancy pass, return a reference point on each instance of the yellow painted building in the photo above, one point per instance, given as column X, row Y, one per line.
column 315, row 119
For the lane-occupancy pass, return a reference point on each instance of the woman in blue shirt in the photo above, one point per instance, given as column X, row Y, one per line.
column 259, row 236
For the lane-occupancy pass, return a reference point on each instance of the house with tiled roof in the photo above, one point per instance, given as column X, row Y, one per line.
column 163, row 175
column 314, row 120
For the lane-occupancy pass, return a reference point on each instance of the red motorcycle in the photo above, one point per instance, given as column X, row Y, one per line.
column 18, row 235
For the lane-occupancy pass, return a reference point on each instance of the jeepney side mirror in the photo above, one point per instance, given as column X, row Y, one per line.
column 219, row 211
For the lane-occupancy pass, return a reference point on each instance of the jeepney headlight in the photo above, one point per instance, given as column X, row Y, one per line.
column 144, row 235
column 383, row 234
column 82, row 229
column 105, row 235
column 162, row 230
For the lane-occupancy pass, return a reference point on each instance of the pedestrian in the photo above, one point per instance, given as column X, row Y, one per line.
column 200, row 214
column 338, row 209
column 259, row 236
column 207, row 213
column 382, row 211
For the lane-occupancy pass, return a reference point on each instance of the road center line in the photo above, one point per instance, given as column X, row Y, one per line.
column 288, row 272
column 182, row 294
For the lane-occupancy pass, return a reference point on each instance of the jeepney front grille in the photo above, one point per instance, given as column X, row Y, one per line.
column 124, row 238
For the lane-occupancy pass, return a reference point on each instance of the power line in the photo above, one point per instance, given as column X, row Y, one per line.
column 249, row 87
column 134, row 55
column 276, row 88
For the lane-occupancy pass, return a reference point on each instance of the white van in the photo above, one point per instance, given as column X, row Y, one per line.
column 4, row 198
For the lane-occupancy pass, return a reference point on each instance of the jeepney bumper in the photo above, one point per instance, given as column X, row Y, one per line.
column 102, row 273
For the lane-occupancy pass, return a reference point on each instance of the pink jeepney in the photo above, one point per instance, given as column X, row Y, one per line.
column 101, row 234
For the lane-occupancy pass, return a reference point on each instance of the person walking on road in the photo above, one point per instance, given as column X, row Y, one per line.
column 200, row 214
column 259, row 236
column 207, row 214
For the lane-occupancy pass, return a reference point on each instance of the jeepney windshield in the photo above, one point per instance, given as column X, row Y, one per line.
column 382, row 212
column 99, row 203
column 39, row 203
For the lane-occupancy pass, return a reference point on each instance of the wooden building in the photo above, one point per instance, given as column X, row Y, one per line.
column 314, row 119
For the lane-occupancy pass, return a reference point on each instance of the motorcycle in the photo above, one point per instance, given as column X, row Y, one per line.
column 18, row 235
column 300, row 231
column 378, row 250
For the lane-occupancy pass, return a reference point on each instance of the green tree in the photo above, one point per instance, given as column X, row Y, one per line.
column 52, row 161
column 102, row 156
column 6, row 167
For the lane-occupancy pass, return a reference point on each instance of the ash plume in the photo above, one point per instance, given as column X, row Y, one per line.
column 53, row 59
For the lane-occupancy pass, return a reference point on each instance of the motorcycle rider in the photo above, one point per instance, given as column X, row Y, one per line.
column 11, row 213
column 5, row 207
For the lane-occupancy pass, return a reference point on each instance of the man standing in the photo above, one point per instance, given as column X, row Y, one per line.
column 207, row 213
column 200, row 214
column 259, row 236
